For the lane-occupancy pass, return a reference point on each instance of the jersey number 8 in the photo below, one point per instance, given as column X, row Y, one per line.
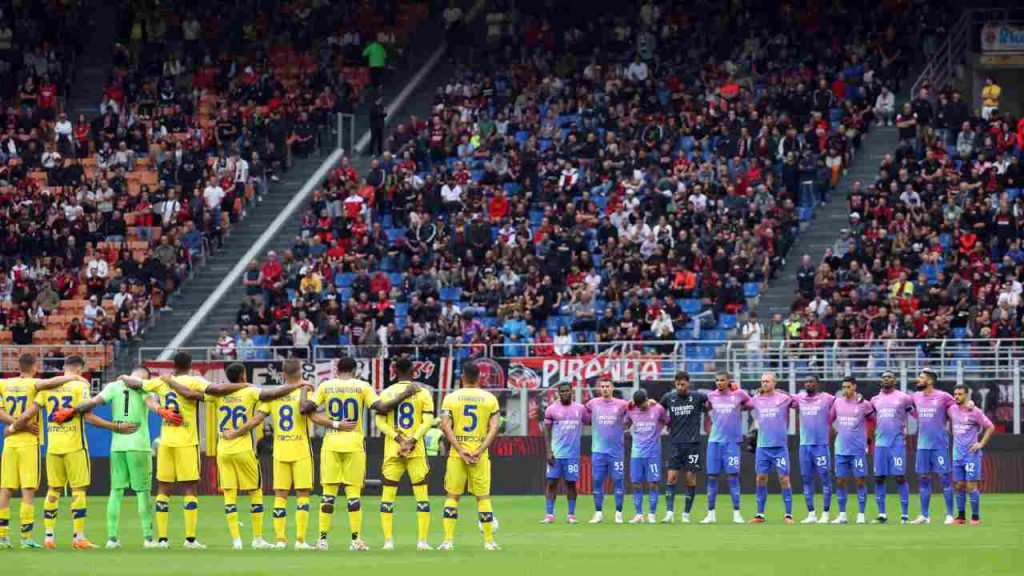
column 285, row 418
column 405, row 413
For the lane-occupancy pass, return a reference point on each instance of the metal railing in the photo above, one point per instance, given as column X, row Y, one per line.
column 98, row 358
column 951, row 53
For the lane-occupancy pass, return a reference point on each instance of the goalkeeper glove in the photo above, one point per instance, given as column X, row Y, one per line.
column 63, row 415
column 170, row 416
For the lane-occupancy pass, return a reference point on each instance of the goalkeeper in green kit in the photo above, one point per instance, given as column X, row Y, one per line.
column 131, row 455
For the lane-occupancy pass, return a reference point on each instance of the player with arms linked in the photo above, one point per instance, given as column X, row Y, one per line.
column 607, row 415
column 339, row 405
column 814, row 407
column 726, row 405
column 850, row 414
column 563, row 428
column 470, row 422
column 644, row 422
column 891, row 408
column 19, row 464
column 403, row 429
column 771, row 413
column 685, row 409
column 967, row 422
column 931, row 409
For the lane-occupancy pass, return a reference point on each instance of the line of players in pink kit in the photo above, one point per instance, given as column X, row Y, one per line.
column 641, row 423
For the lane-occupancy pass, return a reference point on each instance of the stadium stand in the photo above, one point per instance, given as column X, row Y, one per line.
column 637, row 177
column 102, row 217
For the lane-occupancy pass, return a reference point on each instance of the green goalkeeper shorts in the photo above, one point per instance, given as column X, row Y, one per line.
column 131, row 469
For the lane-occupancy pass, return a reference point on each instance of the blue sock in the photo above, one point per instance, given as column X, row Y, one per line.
column 712, row 492
column 652, row 499
column 734, row 490
column 807, row 484
column 549, row 506
column 762, row 498
column 975, row 504
column 691, row 493
column 670, row 498
column 862, row 498
column 880, row 494
column 841, row 498
column 826, row 492
column 638, row 500
column 598, row 497
column 904, row 489
column 572, row 507
column 925, row 488
column 620, row 491
column 787, row 500
column 961, row 503
column 947, row 493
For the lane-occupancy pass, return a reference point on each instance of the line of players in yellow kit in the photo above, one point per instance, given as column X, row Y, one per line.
column 404, row 413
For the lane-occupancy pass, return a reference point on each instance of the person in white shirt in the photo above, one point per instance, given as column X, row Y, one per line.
column 170, row 208
column 451, row 195
column 302, row 330
column 818, row 306
column 123, row 298
column 225, row 346
column 213, row 195
column 662, row 326
column 698, row 200
column 885, row 107
column 637, row 71
column 97, row 268
column 563, row 342
column 752, row 332
column 92, row 312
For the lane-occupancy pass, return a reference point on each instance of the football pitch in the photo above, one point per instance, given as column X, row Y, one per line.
column 995, row 547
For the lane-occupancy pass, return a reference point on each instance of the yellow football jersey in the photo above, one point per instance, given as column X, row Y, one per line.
column 188, row 433
column 233, row 411
column 16, row 394
column 406, row 417
column 69, row 436
column 291, row 428
column 470, row 410
column 345, row 399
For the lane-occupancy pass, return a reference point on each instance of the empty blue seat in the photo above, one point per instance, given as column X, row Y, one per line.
column 960, row 333
column 401, row 309
column 395, row 278
column 395, row 233
column 451, row 293
column 751, row 289
column 691, row 306
column 727, row 321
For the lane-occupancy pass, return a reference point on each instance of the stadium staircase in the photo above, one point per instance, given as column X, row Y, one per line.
column 94, row 65
column 819, row 232
column 244, row 234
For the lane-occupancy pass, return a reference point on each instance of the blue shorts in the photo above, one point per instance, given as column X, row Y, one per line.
column 932, row 461
column 723, row 457
column 815, row 459
column 849, row 465
column 968, row 468
column 606, row 465
column 644, row 470
column 890, row 460
column 771, row 458
column 567, row 469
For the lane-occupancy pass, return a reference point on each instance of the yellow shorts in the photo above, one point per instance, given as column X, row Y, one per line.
column 458, row 474
column 239, row 471
column 395, row 466
column 71, row 469
column 19, row 467
column 348, row 468
column 177, row 463
column 297, row 474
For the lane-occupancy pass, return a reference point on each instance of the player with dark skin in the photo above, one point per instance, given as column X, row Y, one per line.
column 682, row 386
column 551, row 489
column 850, row 393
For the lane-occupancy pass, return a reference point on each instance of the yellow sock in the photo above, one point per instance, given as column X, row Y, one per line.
column 301, row 517
column 327, row 498
column 256, row 509
column 387, row 510
column 79, row 508
column 451, row 518
column 5, row 521
column 191, row 516
column 50, row 507
column 27, row 513
column 486, row 513
column 161, row 508
column 280, row 518
column 422, row 511
column 355, row 510
column 231, row 513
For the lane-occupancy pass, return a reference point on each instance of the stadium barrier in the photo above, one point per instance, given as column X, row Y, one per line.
column 98, row 359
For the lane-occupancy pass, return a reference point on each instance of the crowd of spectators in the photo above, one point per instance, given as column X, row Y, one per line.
column 633, row 176
column 933, row 248
column 103, row 215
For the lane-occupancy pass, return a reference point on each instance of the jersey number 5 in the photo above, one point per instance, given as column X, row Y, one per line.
column 469, row 411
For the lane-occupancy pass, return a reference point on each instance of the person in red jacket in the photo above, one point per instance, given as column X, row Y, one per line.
column 499, row 207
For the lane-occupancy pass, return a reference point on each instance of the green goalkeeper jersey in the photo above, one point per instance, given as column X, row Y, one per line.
column 127, row 405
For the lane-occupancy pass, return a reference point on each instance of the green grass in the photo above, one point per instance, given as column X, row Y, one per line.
column 529, row 548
